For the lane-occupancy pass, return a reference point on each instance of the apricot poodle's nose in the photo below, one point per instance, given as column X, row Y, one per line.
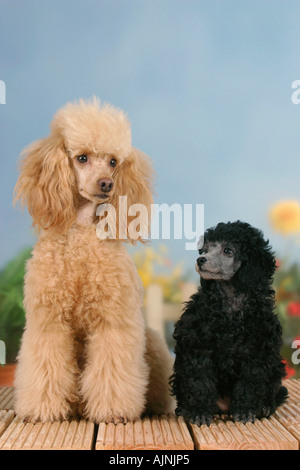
column 105, row 184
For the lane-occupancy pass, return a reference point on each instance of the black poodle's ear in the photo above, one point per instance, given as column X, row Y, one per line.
column 258, row 263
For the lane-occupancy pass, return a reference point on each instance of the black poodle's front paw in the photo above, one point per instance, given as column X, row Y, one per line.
column 202, row 419
column 197, row 416
column 244, row 416
column 267, row 411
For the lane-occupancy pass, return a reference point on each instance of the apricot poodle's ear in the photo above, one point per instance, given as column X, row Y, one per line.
column 133, row 179
column 47, row 185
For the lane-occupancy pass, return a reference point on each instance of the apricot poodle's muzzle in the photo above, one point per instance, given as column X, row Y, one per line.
column 105, row 184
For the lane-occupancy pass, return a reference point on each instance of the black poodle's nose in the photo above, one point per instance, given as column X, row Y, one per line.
column 201, row 260
column 105, row 184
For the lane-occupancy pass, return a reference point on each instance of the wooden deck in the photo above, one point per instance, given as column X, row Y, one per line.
column 281, row 431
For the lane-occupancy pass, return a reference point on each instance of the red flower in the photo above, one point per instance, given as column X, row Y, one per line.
column 293, row 309
column 290, row 372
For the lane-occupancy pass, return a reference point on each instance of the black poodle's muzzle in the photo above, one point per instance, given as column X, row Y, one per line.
column 201, row 260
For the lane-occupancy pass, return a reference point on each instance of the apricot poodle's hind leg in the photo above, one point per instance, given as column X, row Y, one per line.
column 159, row 399
column 45, row 383
column 114, row 382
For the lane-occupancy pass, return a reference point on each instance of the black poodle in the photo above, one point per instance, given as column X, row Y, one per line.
column 228, row 339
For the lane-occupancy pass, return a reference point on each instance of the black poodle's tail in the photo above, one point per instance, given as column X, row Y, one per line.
column 281, row 396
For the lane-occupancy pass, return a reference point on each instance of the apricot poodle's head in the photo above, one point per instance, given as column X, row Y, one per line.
column 88, row 156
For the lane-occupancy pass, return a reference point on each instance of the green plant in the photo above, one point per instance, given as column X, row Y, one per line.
column 12, row 315
column 287, row 288
column 284, row 217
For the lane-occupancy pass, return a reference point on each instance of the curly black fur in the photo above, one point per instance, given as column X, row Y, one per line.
column 228, row 339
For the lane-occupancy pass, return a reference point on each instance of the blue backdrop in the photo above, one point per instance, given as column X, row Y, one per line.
column 206, row 85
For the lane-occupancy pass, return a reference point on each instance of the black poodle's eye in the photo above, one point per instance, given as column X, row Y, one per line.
column 202, row 251
column 82, row 158
column 227, row 251
column 113, row 162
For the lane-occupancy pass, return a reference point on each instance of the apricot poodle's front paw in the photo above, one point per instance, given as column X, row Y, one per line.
column 107, row 419
column 43, row 412
column 98, row 413
column 29, row 419
column 44, row 417
column 116, row 420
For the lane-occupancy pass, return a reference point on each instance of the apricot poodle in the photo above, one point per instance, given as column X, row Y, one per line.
column 85, row 348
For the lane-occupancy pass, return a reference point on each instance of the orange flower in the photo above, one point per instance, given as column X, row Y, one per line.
column 285, row 217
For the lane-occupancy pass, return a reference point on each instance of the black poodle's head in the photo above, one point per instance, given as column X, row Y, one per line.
column 236, row 252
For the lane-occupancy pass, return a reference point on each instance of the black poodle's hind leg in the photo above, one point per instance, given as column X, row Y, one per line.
column 272, row 400
column 251, row 400
column 281, row 396
column 246, row 401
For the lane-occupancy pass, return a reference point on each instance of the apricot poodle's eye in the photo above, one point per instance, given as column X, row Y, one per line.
column 113, row 162
column 82, row 158
column 227, row 251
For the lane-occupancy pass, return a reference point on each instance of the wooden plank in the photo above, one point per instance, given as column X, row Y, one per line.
column 293, row 386
column 149, row 433
column 11, row 434
column 67, row 435
column 138, row 435
column 84, row 436
column 288, row 416
column 6, row 418
column 6, row 398
column 281, row 431
column 224, row 434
